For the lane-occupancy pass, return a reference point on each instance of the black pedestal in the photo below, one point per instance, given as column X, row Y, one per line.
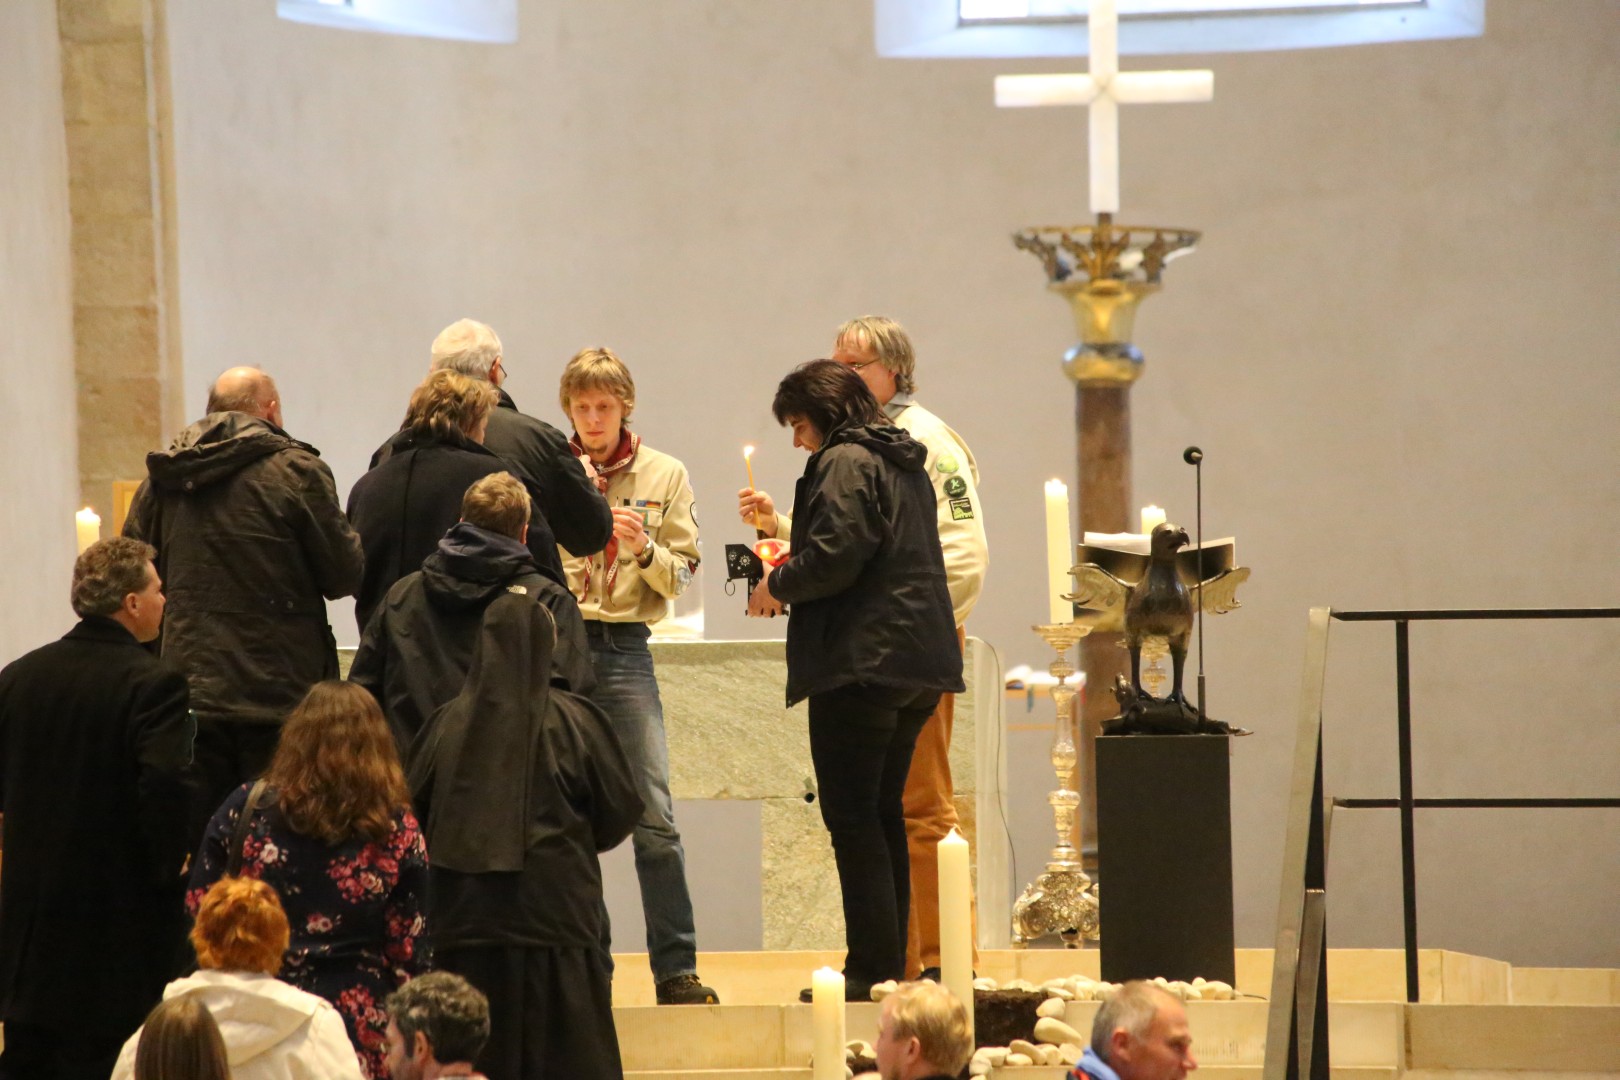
column 1164, row 856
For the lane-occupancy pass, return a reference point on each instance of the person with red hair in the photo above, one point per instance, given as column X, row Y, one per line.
column 333, row 833
column 270, row 1030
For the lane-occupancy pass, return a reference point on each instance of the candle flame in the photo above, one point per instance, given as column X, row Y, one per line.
column 748, row 451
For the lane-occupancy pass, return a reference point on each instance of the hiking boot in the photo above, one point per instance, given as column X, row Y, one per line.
column 686, row 990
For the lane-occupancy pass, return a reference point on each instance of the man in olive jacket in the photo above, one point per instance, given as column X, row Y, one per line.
column 94, row 740
column 252, row 541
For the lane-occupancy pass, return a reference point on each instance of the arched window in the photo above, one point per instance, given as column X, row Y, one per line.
column 492, row 21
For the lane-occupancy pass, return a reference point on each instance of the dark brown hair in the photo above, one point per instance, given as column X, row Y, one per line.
column 336, row 769
column 181, row 1041
column 240, row 927
column 827, row 394
column 107, row 571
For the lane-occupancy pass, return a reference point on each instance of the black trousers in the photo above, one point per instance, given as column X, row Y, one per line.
column 550, row 1010
column 861, row 738
column 228, row 754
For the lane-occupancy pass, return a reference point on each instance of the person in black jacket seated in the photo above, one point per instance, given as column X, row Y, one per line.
column 403, row 506
column 418, row 645
column 871, row 641
column 566, row 494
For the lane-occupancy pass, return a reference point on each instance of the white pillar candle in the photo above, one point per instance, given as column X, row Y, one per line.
column 88, row 525
column 827, row 1024
column 1152, row 518
column 956, row 920
column 1059, row 552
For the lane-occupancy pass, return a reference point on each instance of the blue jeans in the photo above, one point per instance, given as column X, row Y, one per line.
column 627, row 691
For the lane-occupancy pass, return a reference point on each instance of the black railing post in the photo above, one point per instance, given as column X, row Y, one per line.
column 1403, row 694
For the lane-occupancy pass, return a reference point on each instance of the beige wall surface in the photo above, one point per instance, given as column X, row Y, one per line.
column 39, row 479
column 1396, row 345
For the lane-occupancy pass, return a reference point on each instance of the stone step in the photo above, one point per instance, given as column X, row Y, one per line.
column 765, row 978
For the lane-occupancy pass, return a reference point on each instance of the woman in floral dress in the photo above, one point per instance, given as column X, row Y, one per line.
column 333, row 833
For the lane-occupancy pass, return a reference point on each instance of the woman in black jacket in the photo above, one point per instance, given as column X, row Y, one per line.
column 871, row 640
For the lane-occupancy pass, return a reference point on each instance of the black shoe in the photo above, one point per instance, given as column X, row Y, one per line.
column 854, row 990
column 686, row 990
column 933, row 974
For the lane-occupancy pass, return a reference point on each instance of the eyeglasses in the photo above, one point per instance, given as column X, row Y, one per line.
column 862, row 364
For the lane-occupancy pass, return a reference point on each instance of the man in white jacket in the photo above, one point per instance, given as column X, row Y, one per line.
column 272, row 1031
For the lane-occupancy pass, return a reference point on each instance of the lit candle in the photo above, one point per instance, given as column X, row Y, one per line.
column 827, row 1024
column 1152, row 518
column 748, row 462
column 956, row 921
column 1059, row 552
column 88, row 524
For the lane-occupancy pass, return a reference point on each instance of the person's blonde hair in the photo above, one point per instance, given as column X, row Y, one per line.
column 888, row 341
column 497, row 502
column 240, row 926
column 932, row 1015
column 448, row 402
column 598, row 369
column 336, row 768
column 466, row 346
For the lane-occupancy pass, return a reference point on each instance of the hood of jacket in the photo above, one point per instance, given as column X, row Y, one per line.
column 255, row 1012
column 892, row 443
column 472, row 565
column 216, row 448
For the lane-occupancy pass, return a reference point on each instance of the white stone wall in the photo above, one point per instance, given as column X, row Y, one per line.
column 38, row 450
column 1396, row 345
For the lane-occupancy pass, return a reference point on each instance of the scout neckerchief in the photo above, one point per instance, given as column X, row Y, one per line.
column 623, row 455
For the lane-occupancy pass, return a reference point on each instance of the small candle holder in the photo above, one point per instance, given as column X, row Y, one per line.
column 1062, row 900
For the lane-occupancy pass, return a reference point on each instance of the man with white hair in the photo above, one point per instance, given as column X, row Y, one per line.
column 1139, row 1034
column 567, row 495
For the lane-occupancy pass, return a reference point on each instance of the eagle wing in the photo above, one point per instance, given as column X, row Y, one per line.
column 1095, row 587
column 1220, row 592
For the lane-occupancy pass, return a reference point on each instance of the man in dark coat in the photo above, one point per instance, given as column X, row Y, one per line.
column 418, row 646
column 566, row 495
column 402, row 507
column 251, row 541
column 522, row 784
column 94, row 740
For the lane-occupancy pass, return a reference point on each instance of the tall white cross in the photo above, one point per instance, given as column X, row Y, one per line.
column 1104, row 90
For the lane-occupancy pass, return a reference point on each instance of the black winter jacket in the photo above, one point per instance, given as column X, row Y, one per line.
column 250, row 538
column 403, row 507
column 567, row 498
column 416, row 650
column 866, row 579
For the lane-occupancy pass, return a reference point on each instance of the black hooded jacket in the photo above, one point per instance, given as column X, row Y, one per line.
column 251, row 541
column 417, row 648
column 866, row 578
column 404, row 505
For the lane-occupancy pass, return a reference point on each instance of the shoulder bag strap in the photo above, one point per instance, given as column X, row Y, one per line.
column 233, row 864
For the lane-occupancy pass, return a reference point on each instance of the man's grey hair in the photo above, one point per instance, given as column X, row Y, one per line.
column 888, row 341
column 467, row 347
column 1133, row 1008
column 446, row 1008
column 106, row 572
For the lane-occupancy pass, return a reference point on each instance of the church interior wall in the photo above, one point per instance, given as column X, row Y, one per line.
column 38, row 428
column 1396, row 343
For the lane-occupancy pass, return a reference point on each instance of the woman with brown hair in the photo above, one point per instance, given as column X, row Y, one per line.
column 233, row 1019
column 334, row 834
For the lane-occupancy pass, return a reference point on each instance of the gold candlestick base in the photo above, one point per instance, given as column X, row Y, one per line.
column 1062, row 900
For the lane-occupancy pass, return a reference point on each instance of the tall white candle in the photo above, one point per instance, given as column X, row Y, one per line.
column 827, row 1024
column 88, row 524
column 1059, row 552
column 1152, row 518
column 956, row 920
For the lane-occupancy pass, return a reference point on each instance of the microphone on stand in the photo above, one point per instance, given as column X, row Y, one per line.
column 1195, row 457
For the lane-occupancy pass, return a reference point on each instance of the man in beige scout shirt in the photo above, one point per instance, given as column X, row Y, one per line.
column 648, row 562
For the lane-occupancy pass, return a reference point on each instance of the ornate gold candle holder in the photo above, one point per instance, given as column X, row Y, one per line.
column 1062, row 900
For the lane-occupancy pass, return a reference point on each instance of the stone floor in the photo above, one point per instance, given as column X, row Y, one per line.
column 1478, row 1019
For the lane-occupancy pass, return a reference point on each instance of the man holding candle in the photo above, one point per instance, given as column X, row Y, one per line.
column 880, row 352
column 648, row 562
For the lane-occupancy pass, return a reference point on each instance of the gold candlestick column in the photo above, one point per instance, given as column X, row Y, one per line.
column 1061, row 900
